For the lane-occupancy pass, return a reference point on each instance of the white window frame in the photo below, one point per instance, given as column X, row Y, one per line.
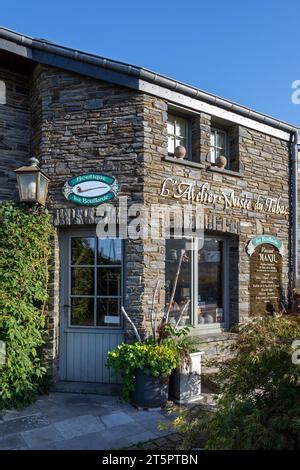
column 214, row 131
column 175, row 136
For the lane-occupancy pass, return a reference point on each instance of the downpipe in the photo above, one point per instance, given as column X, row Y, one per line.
column 295, row 274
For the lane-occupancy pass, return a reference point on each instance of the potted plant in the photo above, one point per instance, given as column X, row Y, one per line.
column 185, row 380
column 145, row 367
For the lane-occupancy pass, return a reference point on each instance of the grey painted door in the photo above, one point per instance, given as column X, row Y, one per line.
column 92, row 293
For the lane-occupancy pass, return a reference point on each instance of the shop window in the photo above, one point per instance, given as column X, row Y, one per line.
column 178, row 134
column 198, row 278
column 210, row 282
column 96, row 282
column 178, row 260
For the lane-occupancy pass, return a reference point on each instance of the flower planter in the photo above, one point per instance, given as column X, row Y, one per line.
column 149, row 391
column 185, row 383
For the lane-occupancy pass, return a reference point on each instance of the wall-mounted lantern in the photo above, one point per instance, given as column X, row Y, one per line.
column 32, row 183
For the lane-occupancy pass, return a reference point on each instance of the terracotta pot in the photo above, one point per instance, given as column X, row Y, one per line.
column 180, row 152
column 221, row 161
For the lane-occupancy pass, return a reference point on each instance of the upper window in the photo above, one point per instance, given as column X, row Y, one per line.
column 218, row 144
column 177, row 133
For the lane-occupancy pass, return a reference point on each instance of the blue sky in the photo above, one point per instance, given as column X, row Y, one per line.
column 247, row 52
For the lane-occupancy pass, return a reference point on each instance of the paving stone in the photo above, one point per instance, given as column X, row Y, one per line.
column 152, row 424
column 32, row 410
column 13, row 441
column 23, row 424
column 116, row 418
column 143, row 437
column 141, row 415
column 93, row 441
column 78, row 426
column 73, row 421
column 125, row 430
column 55, row 412
column 42, row 437
column 120, row 444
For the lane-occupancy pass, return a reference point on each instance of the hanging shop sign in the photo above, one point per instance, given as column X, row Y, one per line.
column 90, row 189
column 261, row 239
column 203, row 194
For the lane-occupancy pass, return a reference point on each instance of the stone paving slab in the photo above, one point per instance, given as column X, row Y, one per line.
column 23, row 424
column 14, row 441
column 42, row 437
column 116, row 418
column 78, row 421
column 78, row 426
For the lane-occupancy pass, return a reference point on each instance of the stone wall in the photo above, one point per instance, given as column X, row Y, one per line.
column 82, row 125
column 76, row 124
column 14, row 131
column 264, row 161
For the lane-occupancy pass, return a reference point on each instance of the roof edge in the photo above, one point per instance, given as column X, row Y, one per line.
column 144, row 74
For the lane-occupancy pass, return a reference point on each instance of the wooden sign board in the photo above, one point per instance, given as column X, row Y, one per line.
column 265, row 280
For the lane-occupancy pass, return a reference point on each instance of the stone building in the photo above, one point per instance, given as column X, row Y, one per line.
column 106, row 131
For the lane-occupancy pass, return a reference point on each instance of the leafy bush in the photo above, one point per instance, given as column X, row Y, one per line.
column 259, row 404
column 181, row 340
column 154, row 359
column 24, row 255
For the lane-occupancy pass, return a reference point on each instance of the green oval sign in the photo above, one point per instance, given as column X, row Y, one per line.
column 260, row 239
column 90, row 189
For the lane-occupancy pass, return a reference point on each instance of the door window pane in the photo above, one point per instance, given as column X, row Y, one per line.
column 109, row 281
column 82, row 311
column 108, row 312
column 82, row 251
column 210, row 282
column 110, row 251
column 100, row 307
column 82, row 281
column 178, row 257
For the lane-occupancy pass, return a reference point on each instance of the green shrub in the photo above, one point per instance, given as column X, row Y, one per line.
column 183, row 343
column 154, row 359
column 24, row 256
column 259, row 404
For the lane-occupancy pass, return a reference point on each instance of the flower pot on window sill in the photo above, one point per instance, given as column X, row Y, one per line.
column 185, row 383
column 149, row 391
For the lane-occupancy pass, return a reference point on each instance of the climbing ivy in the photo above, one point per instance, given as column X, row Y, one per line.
column 24, row 272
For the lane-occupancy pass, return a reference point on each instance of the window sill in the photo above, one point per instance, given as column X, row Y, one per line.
column 224, row 171
column 184, row 162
